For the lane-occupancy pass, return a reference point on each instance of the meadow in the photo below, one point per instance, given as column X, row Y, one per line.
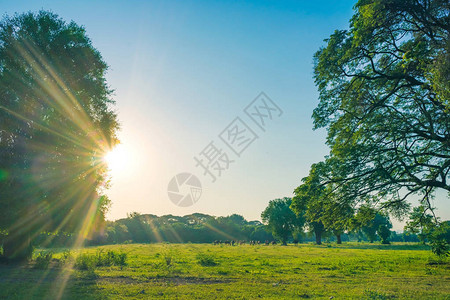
column 200, row 271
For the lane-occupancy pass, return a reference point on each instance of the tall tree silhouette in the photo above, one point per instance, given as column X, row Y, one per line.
column 56, row 122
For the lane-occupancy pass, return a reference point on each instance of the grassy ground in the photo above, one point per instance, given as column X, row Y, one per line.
column 196, row 271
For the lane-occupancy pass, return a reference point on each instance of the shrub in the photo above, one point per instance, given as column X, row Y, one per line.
column 42, row 260
column 206, row 260
column 440, row 247
column 85, row 261
column 120, row 259
column 66, row 256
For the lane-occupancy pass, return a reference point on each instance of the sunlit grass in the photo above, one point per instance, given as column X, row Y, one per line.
column 359, row 271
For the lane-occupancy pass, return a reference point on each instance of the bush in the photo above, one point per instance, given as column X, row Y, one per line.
column 66, row 257
column 440, row 247
column 42, row 260
column 120, row 259
column 85, row 262
column 206, row 260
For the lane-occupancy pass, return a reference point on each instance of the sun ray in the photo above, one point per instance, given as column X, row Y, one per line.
column 91, row 146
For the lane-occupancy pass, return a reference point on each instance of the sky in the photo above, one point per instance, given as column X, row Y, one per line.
column 182, row 71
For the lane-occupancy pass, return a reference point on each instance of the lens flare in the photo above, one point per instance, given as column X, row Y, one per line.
column 118, row 159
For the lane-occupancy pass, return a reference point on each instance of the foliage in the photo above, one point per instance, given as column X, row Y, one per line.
column 430, row 229
column 85, row 261
column 195, row 228
column 311, row 201
column 383, row 230
column 440, row 239
column 280, row 219
column 440, row 247
column 43, row 259
column 56, row 121
column 372, row 223
column 66, row 257
column 421, row 223
column 384, row 87
column 336, row 217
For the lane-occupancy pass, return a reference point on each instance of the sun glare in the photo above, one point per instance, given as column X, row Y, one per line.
column 117, row 159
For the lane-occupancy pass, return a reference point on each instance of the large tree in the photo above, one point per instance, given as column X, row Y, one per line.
column 384, row 99
column 281, row 220
column 56, row 122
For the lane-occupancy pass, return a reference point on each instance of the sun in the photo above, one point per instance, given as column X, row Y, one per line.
column 117, row 159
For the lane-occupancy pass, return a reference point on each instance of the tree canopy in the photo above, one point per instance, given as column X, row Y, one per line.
column 56, row 122
column 384, row 99
column 372, row 223
column 281, row 220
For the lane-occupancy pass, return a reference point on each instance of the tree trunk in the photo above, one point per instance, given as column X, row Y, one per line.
column 318, row 237
column 17, row 246
column 338, row 239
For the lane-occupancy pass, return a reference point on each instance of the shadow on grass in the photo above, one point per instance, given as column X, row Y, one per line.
column 22, row 281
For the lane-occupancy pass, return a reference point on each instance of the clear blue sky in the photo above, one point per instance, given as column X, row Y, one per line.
column 183, row 70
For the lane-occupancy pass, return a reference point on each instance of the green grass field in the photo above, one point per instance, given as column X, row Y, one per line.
column 200, row 271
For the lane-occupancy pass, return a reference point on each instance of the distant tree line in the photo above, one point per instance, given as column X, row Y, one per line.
column 309, row 218
column 194, row 228
column 280, row 224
